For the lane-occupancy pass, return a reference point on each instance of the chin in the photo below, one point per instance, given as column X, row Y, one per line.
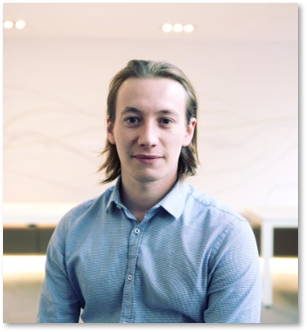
column 147, row 178
column 153, row 175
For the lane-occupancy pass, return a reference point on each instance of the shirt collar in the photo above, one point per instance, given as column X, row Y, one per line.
column 173, row 202
column 115, row 195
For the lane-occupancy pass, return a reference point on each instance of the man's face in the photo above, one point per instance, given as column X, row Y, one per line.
column 150, row 128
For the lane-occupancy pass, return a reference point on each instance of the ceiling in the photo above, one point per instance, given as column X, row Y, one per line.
column 143, row 21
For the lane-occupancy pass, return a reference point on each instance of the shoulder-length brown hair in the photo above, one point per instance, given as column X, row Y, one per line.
column 188, row 158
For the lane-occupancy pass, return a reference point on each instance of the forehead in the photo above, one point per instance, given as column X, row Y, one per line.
column 152, row 94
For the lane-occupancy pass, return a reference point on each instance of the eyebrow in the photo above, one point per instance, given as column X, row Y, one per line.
column 130, row 109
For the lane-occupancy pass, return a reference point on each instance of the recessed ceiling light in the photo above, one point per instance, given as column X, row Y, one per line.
column 167, row 27
column 8, row 24
column 188, row 28
column 20, row 24
column 178, row 27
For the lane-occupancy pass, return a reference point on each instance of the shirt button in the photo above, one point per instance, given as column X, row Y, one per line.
column 130, row 277
column 118, row 206
column 137, row 231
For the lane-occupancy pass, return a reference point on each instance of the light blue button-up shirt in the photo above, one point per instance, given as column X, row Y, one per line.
column 190, row 260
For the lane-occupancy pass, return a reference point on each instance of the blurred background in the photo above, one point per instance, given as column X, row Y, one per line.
column 58, row 61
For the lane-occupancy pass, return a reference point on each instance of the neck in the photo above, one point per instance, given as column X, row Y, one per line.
column 139, row 197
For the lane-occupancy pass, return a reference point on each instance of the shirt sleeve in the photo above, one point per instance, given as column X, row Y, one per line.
column 234, row 283
column 58, row 302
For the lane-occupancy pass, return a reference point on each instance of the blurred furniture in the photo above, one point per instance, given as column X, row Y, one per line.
column 27, row 228
column 269, row 219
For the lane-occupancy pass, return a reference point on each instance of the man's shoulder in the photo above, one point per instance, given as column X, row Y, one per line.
column 87, row 209
column 215, row 217
column 206, row 200
column 211, row 205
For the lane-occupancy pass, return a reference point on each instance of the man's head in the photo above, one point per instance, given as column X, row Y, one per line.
column 151, row 110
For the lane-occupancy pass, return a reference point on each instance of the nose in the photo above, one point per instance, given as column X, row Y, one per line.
column 148, row 134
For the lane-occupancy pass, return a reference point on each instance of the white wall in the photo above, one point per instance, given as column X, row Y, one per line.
column 54, row 112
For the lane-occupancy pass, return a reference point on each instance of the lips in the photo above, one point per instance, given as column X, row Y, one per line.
column 147, row 159
column 145, row 156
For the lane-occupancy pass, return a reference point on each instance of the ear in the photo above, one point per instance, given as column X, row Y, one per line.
column 190, row 132
column 110, row 132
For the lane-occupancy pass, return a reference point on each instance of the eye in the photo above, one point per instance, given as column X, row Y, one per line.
column 132, row 120
column 166, row 121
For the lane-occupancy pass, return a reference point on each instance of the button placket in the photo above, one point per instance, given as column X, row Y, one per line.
column 128, row 292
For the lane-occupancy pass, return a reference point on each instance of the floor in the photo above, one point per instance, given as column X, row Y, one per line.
column 285, row 297
column 20, row 300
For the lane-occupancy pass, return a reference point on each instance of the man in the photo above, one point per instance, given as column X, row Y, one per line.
column 151, row 249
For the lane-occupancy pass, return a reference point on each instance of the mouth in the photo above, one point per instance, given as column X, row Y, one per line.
column 147, row 159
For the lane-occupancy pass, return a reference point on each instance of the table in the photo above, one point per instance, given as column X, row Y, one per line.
column 268, row 219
